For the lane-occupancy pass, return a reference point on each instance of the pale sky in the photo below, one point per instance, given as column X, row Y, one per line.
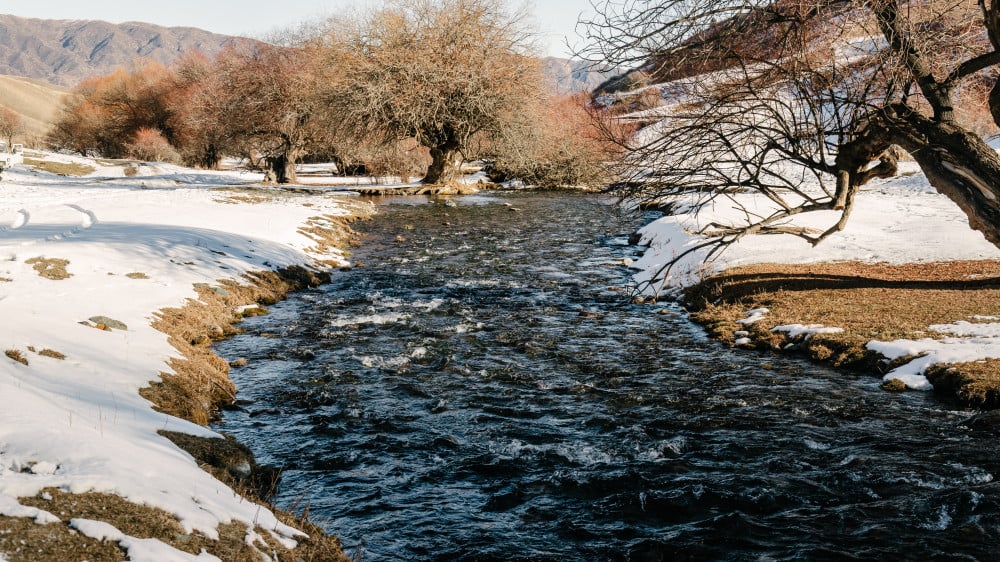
column 556, row 19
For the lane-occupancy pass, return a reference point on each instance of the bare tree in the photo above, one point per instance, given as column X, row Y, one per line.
column 262, row 99
column 445, row 73
column 10, row 125
column 801, row 103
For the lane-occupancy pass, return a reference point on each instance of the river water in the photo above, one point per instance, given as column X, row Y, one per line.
column 480, row 389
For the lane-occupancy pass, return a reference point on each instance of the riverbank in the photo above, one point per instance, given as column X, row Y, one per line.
column 929, row 325
column 907, row 291
column 112, row 286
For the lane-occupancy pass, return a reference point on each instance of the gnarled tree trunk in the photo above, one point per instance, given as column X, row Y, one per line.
column 281, row 169
column 958, row 163
column 445, row 164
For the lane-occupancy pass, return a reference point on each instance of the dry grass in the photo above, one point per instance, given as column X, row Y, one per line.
column 137, row 275
column 52, row 353
column 869, row 301
column 60, row 168
column 200, row 383
column 16, row 355
column 50, row 268
column 22, row 540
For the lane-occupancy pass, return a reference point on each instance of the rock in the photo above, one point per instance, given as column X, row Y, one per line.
column 634, row 239
column 241, row 469
column 239, row 362
column 108, row 323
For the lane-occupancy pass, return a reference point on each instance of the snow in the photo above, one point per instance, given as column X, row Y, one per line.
column 807, row 330
column 79, row 424
column 896, row 220
column 139, row 550
column 976, row 341
column 754, row 316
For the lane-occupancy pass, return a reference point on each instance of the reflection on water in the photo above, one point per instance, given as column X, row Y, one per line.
column 481, row 390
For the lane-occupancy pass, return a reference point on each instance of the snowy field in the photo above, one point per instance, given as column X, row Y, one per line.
column 898, row 220
column 134, row 245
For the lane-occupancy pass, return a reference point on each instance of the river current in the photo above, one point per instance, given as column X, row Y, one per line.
column 480, row 388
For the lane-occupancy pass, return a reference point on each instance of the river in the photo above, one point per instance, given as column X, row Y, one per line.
column 479, row 388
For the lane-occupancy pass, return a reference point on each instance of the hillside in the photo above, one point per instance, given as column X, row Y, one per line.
column 569, row 76
column 64, row 52
column 36, row 101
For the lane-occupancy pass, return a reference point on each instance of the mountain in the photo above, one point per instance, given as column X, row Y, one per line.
column 569, row 76
column 64, row 52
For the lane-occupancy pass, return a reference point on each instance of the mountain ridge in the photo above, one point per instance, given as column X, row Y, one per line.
column 65, row 51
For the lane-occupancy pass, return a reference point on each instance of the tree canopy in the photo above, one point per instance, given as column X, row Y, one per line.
column 446, row 73
column 804, row 102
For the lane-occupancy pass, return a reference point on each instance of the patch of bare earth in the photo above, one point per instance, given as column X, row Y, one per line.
column 196, row 389
column 869, row 302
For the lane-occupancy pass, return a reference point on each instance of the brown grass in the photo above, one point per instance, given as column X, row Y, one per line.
column 60, row 168
column 200, row 383
column 16, row 355
column 870, row 302
column 22, row 540
column 137, row 275
column 50, row 268
column 52, row 353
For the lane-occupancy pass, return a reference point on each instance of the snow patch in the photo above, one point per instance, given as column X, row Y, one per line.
column 807, row 330
column 975, row 342
column 139, row 550
column 9, row 507
column 754, row 316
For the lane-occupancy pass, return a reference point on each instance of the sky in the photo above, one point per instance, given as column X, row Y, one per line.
column 555, row 19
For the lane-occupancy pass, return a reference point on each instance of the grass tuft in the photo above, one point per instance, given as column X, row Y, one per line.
column 52, row 353
column 50, row 268
column 16, row 355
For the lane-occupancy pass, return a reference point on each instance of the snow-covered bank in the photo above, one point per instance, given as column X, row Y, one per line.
column 72, row 418
column 900, row 220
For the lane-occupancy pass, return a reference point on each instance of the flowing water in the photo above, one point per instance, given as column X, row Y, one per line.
column 482, row 390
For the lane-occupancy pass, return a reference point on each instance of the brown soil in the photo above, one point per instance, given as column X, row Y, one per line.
column 869, row 301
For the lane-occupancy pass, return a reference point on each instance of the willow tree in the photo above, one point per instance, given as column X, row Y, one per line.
column 445, row 73
column 803, row 102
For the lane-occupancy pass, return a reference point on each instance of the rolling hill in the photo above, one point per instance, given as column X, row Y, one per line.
column 36, row 101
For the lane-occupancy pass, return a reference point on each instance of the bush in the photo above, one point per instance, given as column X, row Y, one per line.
column 562, row 148
column 151, row 146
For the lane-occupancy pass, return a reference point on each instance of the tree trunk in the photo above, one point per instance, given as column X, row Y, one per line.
column 959, row 164
column 281, row 169
column 210, row 157
column 444, row 165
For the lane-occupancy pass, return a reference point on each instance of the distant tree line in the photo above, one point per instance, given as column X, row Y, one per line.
column 411, row 90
